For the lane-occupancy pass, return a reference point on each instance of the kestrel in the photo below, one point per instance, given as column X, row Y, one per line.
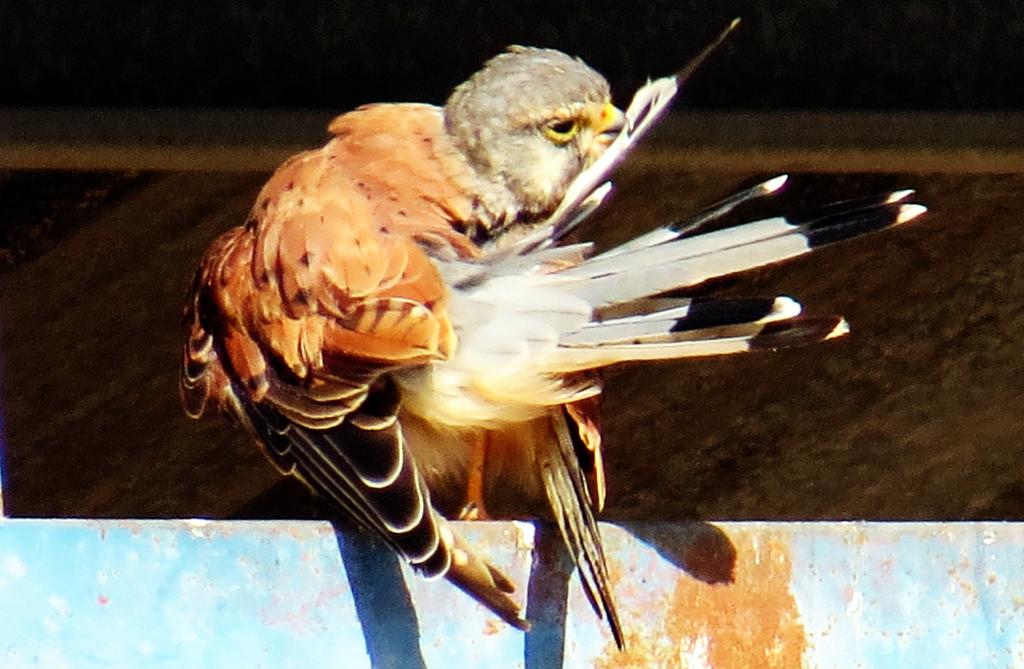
column 400, row 326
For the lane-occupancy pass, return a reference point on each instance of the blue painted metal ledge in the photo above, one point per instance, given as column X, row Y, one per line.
column 112, row 594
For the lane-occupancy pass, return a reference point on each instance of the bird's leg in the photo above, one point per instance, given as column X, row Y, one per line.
column 474, row 508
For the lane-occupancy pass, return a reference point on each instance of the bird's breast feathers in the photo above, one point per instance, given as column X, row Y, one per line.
column 505, row 366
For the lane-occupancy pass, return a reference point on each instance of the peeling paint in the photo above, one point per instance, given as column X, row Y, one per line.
column 693, row 595
column 751, row 622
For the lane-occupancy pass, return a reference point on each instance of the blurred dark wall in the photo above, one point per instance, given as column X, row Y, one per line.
column 914, row 416
column 818, row 54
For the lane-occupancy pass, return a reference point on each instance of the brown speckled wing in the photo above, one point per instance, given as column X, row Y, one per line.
column 327, row 286
column 296, row 319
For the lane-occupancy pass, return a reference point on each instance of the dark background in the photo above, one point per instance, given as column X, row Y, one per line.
column 915, row 415
column 806, row 54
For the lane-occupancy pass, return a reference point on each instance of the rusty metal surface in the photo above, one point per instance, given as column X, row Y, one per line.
column 120, row 593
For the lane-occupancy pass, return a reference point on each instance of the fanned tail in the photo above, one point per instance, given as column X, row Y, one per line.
column 632, row 323
column 682, row 259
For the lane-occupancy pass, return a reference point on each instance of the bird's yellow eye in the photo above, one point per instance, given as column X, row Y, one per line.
column 561, row 131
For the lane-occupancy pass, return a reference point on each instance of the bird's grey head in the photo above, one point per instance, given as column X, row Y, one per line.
column 529, row 121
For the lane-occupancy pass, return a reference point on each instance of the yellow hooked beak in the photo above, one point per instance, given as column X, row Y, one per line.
column 607, row 125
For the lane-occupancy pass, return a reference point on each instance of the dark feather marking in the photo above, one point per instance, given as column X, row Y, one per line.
column 344, row 448
column 194, row 368
column 845, row 225
column 297, row 400
column 375, row 455
column 320, row 478
column 381, row 308
column 438, row 564
column 330, row 461
column 708, row 313
column 809, row 216
column 419, row 541
column 583, row 454
column 798, row 331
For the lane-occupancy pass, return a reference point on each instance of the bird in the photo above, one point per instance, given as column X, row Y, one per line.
column 403, row 324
